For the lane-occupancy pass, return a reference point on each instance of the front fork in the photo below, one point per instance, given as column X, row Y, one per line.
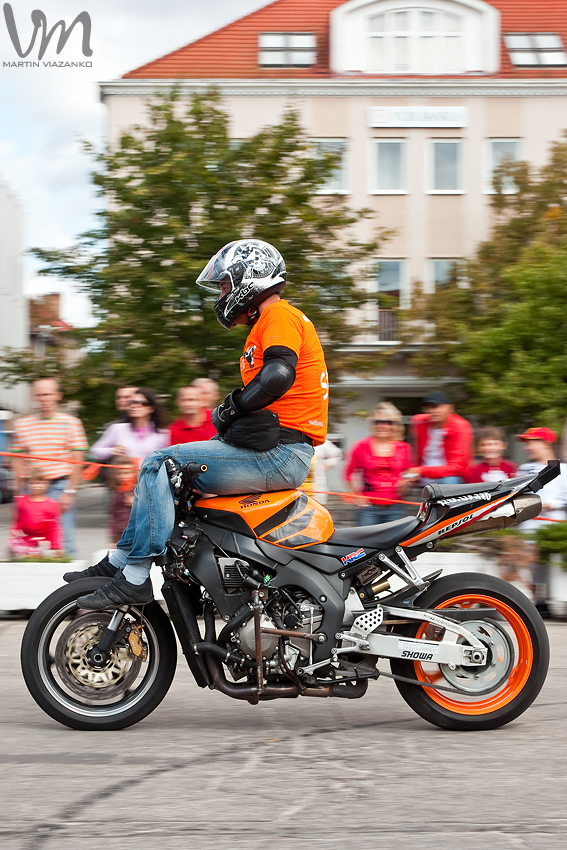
column 110, row 635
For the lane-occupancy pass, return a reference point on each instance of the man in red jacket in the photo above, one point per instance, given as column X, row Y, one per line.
column 443, row 441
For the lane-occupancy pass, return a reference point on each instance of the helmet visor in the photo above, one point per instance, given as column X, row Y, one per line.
column 214, row 274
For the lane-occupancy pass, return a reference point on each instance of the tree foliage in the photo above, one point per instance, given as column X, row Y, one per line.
column 173, row 193
column 499, row 323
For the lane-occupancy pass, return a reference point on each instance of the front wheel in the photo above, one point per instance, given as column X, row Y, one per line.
column 493, row 694
column 64, row 683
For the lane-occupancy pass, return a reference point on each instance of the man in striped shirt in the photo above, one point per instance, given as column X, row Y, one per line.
column 52, row 434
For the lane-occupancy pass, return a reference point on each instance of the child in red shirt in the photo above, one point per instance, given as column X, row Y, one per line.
column 493, row 467
column 121, row 483
column 36, row 527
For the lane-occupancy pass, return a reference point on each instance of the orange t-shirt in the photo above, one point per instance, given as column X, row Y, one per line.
column 304, row 406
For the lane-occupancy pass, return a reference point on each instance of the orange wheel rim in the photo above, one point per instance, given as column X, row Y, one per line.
column 519, row 673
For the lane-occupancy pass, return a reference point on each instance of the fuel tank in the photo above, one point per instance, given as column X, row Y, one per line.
column 287, row 518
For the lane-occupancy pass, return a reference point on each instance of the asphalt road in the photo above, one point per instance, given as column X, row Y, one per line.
column 205, row 771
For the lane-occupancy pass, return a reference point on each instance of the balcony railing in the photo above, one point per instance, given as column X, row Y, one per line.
column 387, row 326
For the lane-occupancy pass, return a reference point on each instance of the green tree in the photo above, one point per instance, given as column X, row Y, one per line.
column 173, row 193
column 498, row 323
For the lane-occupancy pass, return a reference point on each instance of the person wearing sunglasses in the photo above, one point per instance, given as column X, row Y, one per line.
column 376, row 465
column 142, row 434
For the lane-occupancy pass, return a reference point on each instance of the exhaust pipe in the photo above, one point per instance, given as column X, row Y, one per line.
column 519, row 509
column 232, row 689
column 247, row 692
column 348, row 690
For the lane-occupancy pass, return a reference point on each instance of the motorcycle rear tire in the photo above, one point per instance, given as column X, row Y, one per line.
column 521, row 682
column 54, row 695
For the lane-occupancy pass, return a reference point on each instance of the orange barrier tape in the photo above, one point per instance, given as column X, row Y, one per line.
column 548, row 519
column 351, row 497
column 92, row 470
column 53, row 459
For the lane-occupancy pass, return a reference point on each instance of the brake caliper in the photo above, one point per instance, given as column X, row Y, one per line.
column 137, row 643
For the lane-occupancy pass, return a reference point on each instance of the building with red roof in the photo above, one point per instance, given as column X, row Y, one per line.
column 422, row 97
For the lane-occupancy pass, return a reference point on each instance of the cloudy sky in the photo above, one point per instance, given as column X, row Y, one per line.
column 45, row 112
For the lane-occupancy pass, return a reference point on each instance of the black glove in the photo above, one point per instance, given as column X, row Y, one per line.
column 226, row 413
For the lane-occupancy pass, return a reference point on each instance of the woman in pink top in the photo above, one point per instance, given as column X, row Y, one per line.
column 379, row 463
column 144, row 433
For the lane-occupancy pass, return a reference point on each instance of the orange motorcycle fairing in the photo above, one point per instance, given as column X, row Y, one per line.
column 287, row 518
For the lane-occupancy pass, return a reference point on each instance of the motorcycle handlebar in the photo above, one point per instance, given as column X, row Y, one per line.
column 193, row 470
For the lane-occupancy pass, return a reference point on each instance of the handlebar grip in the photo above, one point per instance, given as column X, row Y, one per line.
column 193, row 470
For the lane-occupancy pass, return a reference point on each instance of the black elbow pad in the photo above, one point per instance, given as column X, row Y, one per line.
column 276, row 377
column 272, row 381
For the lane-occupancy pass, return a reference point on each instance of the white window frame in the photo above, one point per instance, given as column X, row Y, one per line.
column 413, row 36
column 375, row 143
column 430, row 272
column 489, row 163
column 405, row 301
column 344, row 166
column 430, row 166
column 481, row 44
column 287, row 49
column 534, row 47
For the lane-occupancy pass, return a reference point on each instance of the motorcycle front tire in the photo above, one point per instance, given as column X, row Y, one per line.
column 57, row 673
column 518, row 653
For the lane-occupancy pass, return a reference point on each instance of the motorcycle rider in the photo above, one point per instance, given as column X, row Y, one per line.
column 283, row 371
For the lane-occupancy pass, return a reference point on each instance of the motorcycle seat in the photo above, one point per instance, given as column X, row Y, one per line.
column 379, row 536
column 432, row 492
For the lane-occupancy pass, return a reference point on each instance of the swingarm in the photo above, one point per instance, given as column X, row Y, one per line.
column 458, row 648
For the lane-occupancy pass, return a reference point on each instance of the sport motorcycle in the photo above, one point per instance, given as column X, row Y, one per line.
column 292, row 607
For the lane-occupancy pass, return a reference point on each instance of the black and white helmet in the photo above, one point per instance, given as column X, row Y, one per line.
column 254, row 269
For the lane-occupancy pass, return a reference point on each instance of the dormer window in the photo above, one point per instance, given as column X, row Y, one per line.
column 534, row 49
column 427, row 37
column 415, row 41
column 287, row 49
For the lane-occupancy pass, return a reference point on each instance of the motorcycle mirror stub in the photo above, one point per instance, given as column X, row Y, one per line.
column 552, row 470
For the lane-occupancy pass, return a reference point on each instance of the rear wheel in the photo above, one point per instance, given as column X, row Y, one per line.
column 489, row 695
column 63, row 682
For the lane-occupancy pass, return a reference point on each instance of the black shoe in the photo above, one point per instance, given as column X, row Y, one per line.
column 103, row 568
column 118, row 591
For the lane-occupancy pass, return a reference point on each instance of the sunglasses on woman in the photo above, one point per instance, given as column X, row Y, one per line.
column 383, row 422
column 141, row 403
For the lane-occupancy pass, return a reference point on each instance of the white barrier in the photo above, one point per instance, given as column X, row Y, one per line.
column 24, row 585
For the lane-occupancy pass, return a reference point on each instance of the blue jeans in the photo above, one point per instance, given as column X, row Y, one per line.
column 230, row 470
column 55, row 491
column 375, row 514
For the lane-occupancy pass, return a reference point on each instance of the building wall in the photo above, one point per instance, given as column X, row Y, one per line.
column 14, row 321
column 426, row 226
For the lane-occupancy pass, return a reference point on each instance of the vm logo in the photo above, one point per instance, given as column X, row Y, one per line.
column 39, row 22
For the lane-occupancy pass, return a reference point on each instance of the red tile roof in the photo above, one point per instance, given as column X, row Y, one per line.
column 232, row 51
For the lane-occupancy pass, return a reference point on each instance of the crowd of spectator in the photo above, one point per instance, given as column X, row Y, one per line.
column 45, row 489
column 380, row 470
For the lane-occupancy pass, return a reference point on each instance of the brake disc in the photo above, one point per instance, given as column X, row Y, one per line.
column 499, row 661
column 73, row 666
